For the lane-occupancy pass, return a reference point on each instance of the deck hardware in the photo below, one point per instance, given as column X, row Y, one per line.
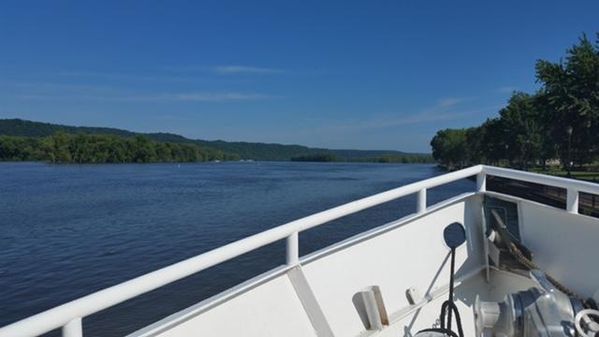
column 374, row 307
column 585, row 325
column 454, row 235
column 413, row 295
column 541, row 311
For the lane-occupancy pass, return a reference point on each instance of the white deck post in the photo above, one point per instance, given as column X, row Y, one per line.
column 481, row 182
column 293, row 249
column 74, row 328
column 421, row 201
column 572, row 201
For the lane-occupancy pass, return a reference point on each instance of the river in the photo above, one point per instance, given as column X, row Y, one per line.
column 69, row 230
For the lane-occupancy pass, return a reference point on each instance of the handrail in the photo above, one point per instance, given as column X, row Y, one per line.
column 68, row 316
column 573, row 187
column 87, row 305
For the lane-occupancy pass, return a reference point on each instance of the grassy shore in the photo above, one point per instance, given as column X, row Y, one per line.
column 592, row 176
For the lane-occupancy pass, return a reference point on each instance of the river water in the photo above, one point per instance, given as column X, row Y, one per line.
column 69, row 230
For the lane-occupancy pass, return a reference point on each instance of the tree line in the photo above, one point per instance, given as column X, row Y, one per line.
column 331, row 157
column 557, row 124
column 83, row 148
column 93, row 148
column 318, row 157
column 242, row 150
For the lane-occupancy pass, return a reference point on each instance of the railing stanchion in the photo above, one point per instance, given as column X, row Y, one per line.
column 421, row 201
column 481, row 182
column 74, row 328
column 572, row 201
column 293, row 249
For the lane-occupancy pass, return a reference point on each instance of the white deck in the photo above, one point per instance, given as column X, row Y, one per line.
column 388, row 257
column 400, row 255
column 315, row 295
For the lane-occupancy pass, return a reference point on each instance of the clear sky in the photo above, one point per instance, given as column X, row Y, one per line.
column 348, row 74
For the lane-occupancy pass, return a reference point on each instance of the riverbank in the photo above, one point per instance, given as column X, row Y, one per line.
column 22, row 140
column 591, row 176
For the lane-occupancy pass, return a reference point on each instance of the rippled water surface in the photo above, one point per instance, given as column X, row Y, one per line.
column 67, row 231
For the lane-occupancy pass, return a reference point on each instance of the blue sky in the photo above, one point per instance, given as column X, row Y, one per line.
column 347, row 74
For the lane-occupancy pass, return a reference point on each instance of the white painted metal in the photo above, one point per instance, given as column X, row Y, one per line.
column 573, row 187
column 421, row 201
column 309, row 302
column 485, row 241
column 270, row 309
column 307, row 298
column 413, row 296
column 69, row 314
column 563, row 244
column 572, row 200
column 230, row 294
column 372, row 309
column 409, row 254
column 293, row 249
column 481, row 182
column 404, row 221
column 74, row 328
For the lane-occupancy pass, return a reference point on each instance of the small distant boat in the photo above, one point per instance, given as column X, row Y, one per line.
column 480, row 263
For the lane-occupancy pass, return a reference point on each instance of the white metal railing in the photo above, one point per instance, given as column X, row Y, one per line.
column 572, row 187
column 69, row 315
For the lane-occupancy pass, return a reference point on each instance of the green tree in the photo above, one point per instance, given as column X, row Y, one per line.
column 58, row 148
column 450, row 148
column 571, row 90
column 522, row 121
column 494, row 141
column 142, row 150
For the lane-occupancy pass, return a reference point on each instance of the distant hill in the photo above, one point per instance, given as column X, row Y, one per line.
column 245, row 150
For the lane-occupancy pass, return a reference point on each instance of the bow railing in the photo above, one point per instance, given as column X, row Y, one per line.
column 69, row 316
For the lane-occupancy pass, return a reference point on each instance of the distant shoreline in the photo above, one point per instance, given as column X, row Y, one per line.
column 249, row 162
column 22, row 140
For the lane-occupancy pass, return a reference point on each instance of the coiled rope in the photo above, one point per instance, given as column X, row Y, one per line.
column 528, row 263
